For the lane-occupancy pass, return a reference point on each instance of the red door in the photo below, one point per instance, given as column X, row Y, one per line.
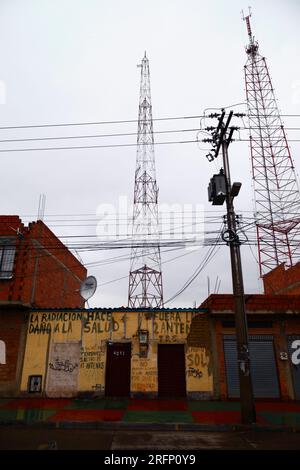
column 117, row 376
column 171, row 371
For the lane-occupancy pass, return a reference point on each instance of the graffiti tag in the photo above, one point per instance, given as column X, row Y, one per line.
column 65, row 366
column 196, row 373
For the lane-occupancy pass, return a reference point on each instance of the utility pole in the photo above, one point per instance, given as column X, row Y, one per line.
column 220, row 190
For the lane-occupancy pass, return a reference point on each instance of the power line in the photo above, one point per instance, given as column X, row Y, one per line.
column 121, row 134
column 123, row 121
column 120, row 121
column 81, row 147
column 209, row 255
column 97, row 146
column 125, row 134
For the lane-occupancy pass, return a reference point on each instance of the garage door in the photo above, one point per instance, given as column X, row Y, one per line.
column 171, row 370
column 263, row 366
column 117, row 375
column 293, row 348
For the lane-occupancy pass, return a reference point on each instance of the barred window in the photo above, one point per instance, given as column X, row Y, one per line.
column 7, row 256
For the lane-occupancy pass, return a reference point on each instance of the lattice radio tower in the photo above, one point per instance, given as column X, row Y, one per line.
column 277, row 198
column 145, row 277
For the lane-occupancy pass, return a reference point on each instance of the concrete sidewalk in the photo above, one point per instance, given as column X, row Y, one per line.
column 184, row 415
column 28, row 438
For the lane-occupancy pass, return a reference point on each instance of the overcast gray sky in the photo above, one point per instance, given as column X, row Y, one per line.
column 75, row 61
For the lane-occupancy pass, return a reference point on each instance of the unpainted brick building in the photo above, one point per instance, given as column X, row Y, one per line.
column 283, row 281
column 36, row 270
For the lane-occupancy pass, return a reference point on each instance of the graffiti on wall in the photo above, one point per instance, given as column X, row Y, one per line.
column 69, row 349
column 63, row 369
column 62, row 322
column 168, row 326
column 196, row 360
column 193, row 372
column 91, row 358
column 64, row 366
column 143, row 375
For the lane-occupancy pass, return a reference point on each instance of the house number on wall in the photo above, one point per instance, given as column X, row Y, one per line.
column 119, row 353
column 296, row 354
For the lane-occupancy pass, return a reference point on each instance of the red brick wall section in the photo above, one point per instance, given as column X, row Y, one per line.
column 221, row 361
column 283, row 281
column 46, row 273
column 10, row 331
column 218, row 303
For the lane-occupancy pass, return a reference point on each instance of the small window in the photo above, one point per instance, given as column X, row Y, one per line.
column 2, row 352
column 7, row 257
column 35, row 383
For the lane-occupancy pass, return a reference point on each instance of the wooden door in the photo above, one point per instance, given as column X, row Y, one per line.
column 117, row 376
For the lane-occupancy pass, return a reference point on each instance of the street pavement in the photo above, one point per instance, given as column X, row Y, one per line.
column 16, row 438
column 177, row 414
column 138, row 424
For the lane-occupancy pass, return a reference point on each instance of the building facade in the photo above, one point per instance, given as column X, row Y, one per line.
column 274, row 345
column 118, row 352
column 13, row 332
column 36, row 270
column 167, row 353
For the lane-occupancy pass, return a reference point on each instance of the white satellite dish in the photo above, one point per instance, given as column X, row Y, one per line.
column 88, row 287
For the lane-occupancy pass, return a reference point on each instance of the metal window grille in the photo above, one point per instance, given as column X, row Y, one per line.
column 7, row 257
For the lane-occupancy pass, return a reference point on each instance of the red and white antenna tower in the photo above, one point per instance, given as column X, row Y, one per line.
column 277, row 197
column 145, row 278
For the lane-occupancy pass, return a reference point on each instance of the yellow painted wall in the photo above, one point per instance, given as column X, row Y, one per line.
column 91, row 330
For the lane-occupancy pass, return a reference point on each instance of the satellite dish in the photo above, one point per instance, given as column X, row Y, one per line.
column 88, row 287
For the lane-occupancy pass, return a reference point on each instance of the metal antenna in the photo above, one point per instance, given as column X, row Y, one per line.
column 145, row 277
column 41, row 209
column 277, row 197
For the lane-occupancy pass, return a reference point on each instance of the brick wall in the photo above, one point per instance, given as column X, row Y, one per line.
column 283, row 281
column 12, row 326
column 260, row 303
column 46, row 274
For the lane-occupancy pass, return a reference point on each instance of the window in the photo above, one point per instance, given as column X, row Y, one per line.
column 7, row 256
column 2, row 352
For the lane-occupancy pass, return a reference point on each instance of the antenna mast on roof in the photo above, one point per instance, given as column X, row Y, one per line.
column 41, row 209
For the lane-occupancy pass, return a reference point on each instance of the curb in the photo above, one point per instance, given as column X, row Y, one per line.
column 123, row 426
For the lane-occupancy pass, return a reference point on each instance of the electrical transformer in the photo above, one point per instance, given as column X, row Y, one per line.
column 217, row 189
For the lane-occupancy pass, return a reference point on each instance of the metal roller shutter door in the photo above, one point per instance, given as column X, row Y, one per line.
column 263, row 366
column 295, row 368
